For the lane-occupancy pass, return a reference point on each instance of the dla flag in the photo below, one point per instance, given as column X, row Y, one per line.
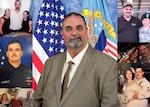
column 101, row 32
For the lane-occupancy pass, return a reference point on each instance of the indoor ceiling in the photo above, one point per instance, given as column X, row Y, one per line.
column 139, row 7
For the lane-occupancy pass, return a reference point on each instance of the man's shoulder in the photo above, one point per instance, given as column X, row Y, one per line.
column 121, row 18
column 135, row 18
column 146, row 81
column 24, row 67
column 5, row 67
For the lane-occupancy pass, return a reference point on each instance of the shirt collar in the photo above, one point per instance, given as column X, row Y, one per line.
column 78, row 57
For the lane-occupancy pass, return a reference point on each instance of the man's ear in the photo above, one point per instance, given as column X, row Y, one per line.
column 22, row 53
column 6, row 53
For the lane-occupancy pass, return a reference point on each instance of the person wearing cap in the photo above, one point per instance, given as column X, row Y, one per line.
column 128, row 25
column 144, row 31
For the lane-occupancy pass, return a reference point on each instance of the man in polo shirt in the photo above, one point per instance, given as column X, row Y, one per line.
column 128, row 25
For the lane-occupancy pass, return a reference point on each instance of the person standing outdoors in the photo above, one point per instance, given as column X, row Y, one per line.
column 128, row 25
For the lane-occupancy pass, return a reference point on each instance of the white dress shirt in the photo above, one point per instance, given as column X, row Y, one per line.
column 76, row 60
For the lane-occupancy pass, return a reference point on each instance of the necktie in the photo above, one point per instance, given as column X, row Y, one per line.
column 66, row 78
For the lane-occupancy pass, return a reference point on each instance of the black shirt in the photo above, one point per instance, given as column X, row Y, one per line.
column 11, row 77
column 128, row 30
column 5, row 27
column 25, row 25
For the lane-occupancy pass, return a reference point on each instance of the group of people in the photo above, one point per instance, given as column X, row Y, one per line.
column 132, row 29
column 15, row 20
column 138, row 54
column 136, row 88
column 16, row 101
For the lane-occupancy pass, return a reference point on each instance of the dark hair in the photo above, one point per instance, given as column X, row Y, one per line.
column 5, row 11
column 139, row 66
column 17, row 1
column 76, row 14
column 3, row 95
column 27, row 14
column 133, row 75
column 146, row 44
column 15, row 41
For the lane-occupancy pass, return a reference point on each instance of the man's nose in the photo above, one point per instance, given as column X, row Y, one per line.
column 74, row 31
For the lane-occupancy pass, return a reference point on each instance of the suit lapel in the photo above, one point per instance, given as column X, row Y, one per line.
column 79, row 73
column 58, row 79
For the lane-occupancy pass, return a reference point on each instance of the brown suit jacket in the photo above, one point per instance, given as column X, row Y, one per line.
column 94, row 83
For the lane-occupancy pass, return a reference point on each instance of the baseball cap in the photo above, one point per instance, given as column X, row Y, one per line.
column 127, row 4
column 146, row 15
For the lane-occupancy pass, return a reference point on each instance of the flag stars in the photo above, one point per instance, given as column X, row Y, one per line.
column 56, row 49
column 62, row 8
column 46, row 23
column 43, row 5
column 52, row 5
column 52, row 23
column 56, row 41
column 95, row 25
column 56, row 7
column 62, row 50
column 101, row 24
column 51, row 40
column 56, row 15
column 52, row 14
column 39, row 22
column 2, row 63
column 61, row 16
column 51, row 49
column 45, row 31
column 47, row 14
column 3, row 58
column 38, row 30
column 56, row 0
column 56, row 24
column 44, row 40
column 41, row 13
column 62, row 42
column 52, row 32
column 56, row 33
column 47, row 5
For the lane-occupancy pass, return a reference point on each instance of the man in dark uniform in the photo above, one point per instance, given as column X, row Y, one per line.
column 128, row 25
column 15, row 74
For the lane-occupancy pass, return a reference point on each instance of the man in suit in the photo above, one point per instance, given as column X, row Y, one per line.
column 93, row 77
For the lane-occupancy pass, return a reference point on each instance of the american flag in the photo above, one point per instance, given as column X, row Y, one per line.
column 47, row 40
column 2, row 57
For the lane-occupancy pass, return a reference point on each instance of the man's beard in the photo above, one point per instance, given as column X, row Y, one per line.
column 75, row 41
column 143, row 55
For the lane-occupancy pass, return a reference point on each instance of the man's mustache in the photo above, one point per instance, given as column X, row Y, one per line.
column 75, row 37
column 14, row 55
